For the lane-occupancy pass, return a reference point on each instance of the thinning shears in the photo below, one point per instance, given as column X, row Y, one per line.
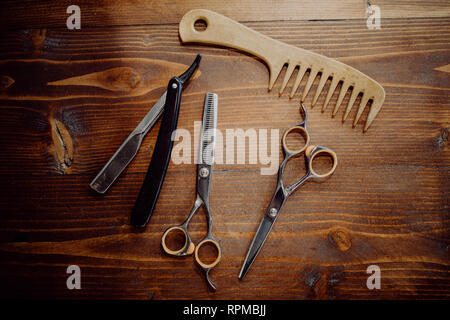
column 282, row 192
column 204, row 171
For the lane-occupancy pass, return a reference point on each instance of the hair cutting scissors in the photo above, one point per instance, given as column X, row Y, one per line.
column 204, row 171
column 282, row 192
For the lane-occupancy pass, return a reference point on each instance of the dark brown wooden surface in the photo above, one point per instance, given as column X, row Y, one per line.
column 69, row 98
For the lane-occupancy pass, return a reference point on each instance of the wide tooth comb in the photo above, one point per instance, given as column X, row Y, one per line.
column 223, row 31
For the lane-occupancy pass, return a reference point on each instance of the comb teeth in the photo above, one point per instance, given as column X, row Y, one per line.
column 344, row 89
column 301, row 73
column 287, row 76
column 355, row 93
column 323, row 79
column 312, row 76
column 314, row 71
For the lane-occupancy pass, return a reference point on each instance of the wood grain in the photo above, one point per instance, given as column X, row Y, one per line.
column 69, row 99
column 29, row 14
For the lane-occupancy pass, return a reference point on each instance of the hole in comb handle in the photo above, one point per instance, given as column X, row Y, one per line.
column 200, row 25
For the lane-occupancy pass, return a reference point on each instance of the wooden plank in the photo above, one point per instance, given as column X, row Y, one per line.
column 96, row 236
column 69, row 99
column 90, row 113
column 50, row 14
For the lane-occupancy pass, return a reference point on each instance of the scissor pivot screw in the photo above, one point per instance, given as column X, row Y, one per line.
column 174, row 85
column 273, row 212
column 204, row 172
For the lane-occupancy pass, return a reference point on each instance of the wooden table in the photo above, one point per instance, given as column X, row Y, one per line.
column 70, row 97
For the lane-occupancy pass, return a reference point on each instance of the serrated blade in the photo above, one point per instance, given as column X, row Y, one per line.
column 209, row 125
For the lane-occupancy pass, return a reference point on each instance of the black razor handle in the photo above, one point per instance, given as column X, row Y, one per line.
column 148, row 195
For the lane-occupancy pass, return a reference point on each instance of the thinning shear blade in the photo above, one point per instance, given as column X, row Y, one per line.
column 209, row 125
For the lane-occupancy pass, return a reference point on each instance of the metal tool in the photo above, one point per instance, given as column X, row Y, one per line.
column 282, row 192
column 129, row 148
column 226, row 32
column 204, row 171
column 153, row 181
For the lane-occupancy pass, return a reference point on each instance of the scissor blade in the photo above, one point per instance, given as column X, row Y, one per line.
column 257, row 243
column 128, row 150
column 209, row 125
